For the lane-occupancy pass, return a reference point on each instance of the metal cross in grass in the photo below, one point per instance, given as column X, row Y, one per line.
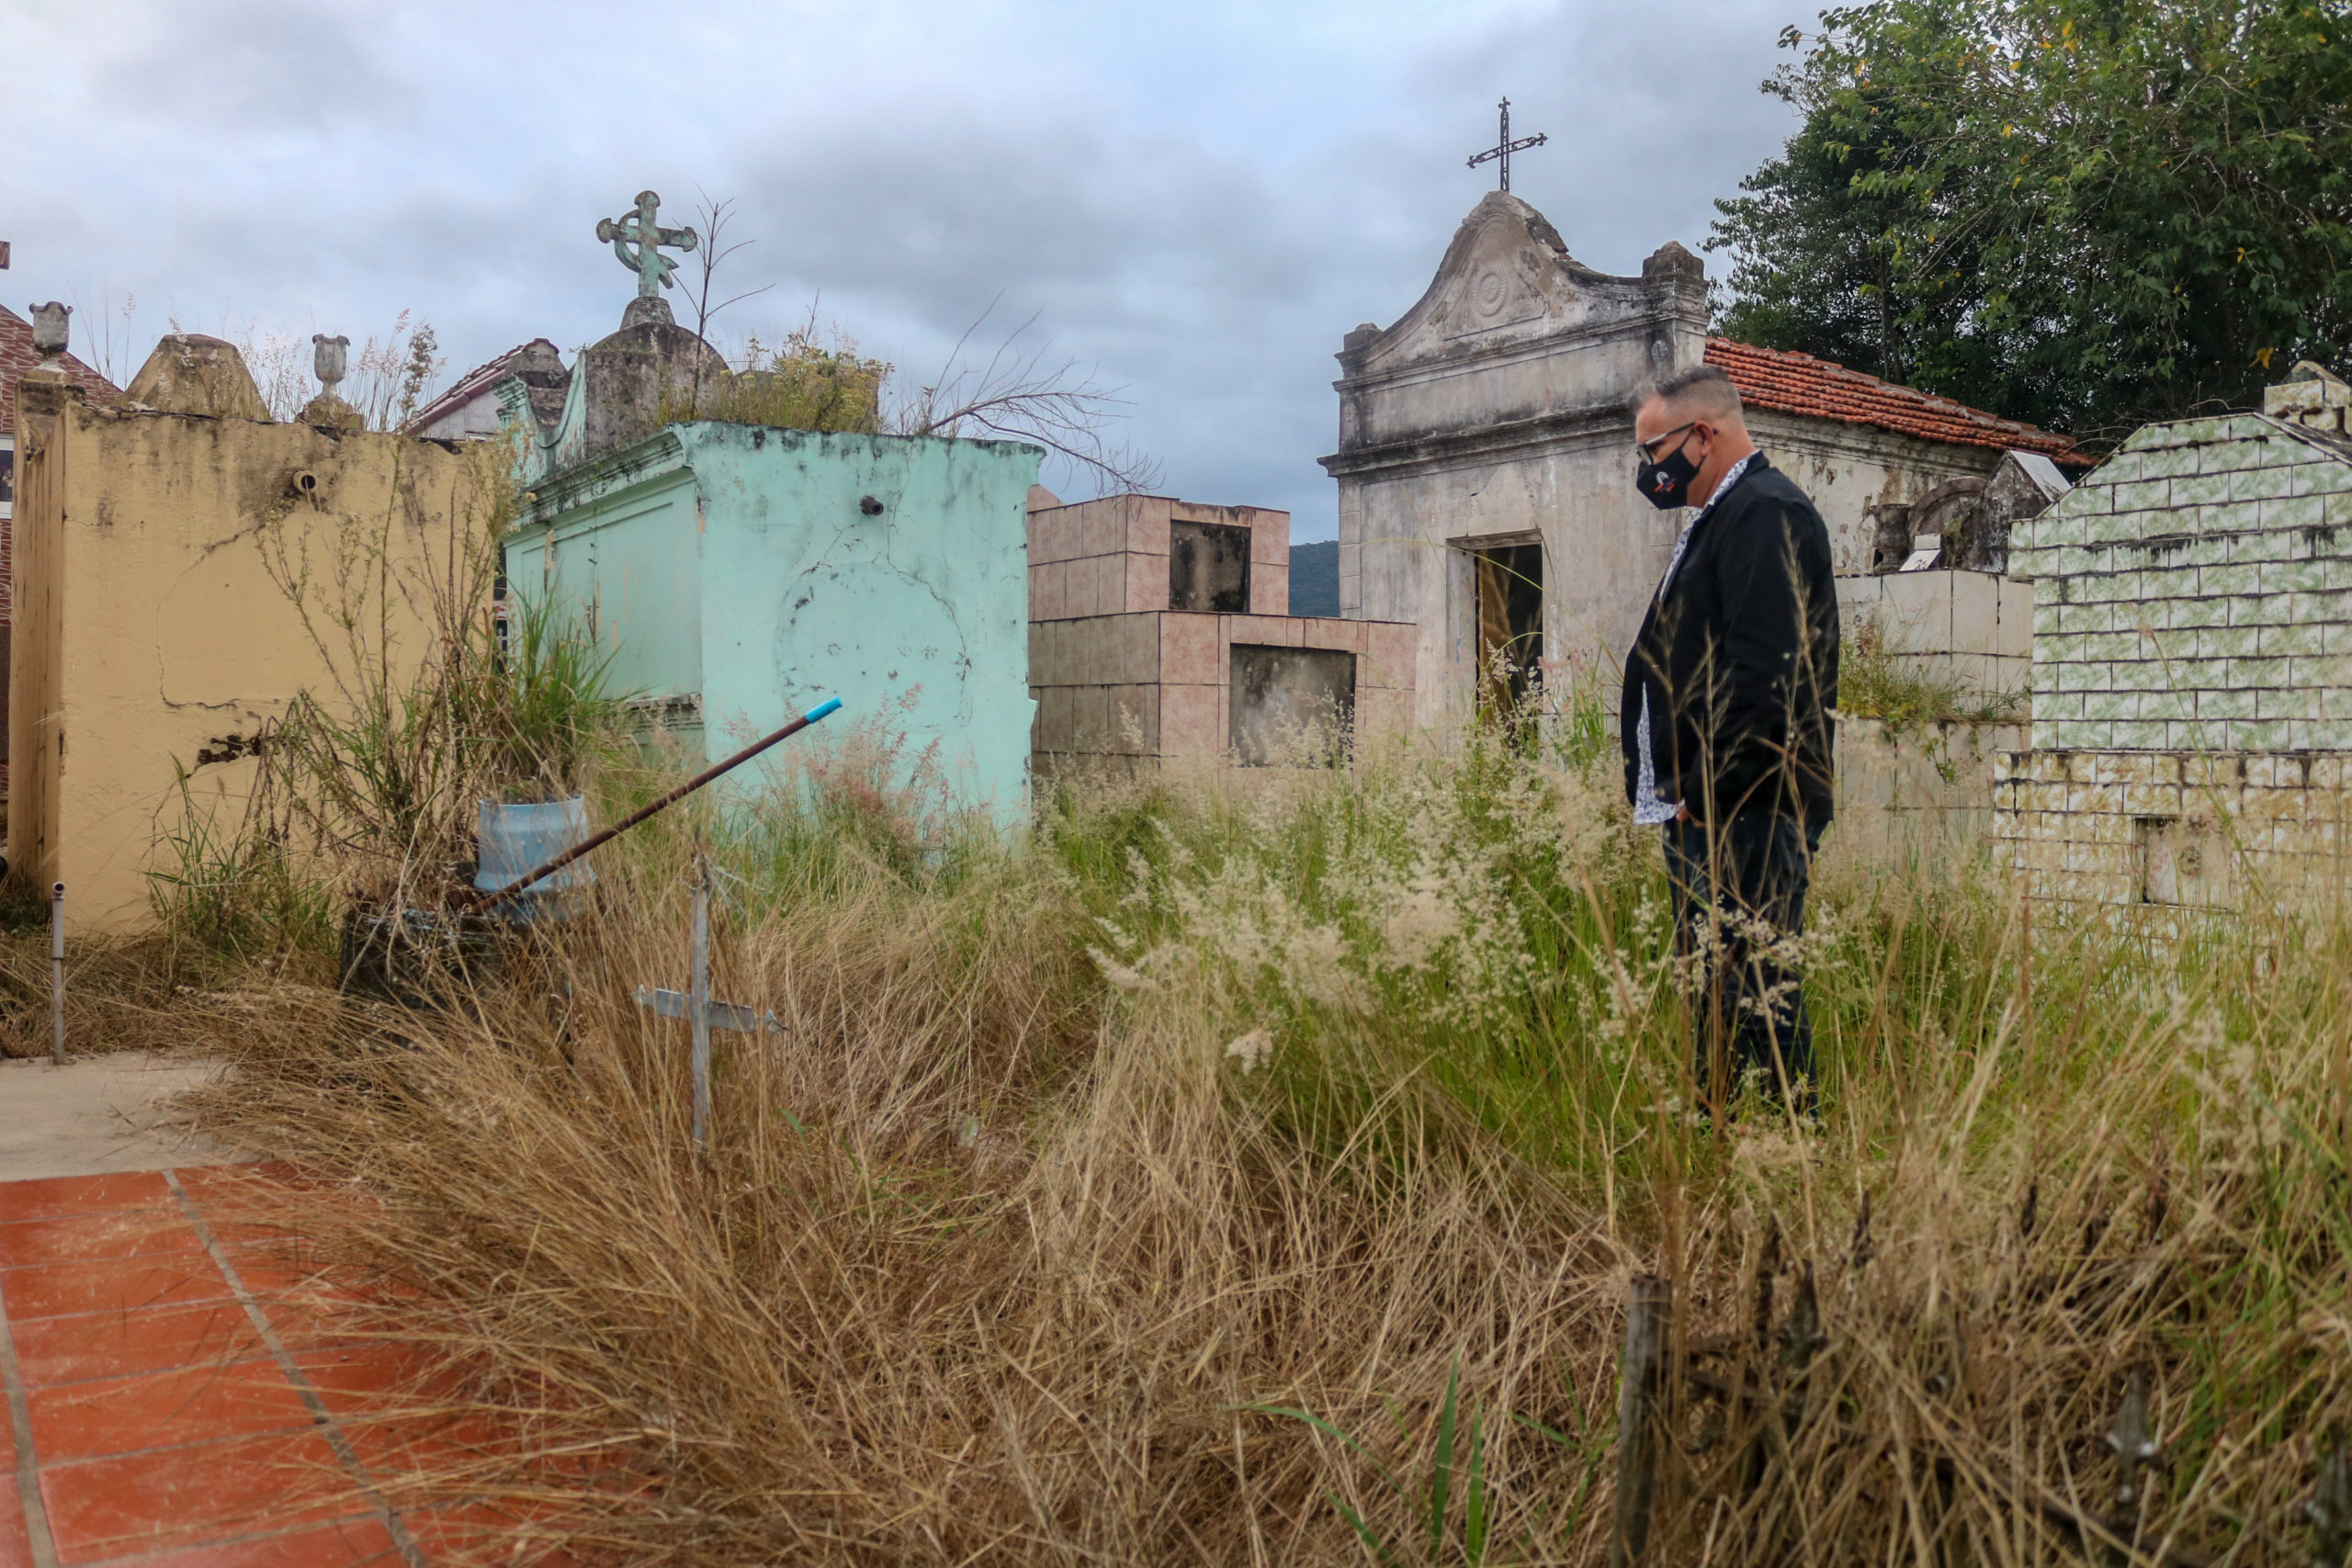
column 640, row 230
column 1504, row 147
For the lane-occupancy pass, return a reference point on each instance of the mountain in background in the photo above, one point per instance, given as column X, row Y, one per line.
column 1315, row 578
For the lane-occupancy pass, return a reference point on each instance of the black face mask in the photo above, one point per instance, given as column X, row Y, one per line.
column 1667, row 485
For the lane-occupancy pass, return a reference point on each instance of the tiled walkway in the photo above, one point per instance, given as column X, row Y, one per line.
column 169, row 1401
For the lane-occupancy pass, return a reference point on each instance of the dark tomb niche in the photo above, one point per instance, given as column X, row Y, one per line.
column 1508, row 586
column 1208, row 568
column 1292, row 706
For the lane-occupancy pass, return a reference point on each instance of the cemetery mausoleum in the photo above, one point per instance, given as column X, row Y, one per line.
column 740, row 574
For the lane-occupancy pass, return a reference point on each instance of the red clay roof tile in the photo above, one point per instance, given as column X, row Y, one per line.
column 1798, row 383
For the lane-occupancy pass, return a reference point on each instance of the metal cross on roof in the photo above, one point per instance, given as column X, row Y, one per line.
column 1504, row 147
column 637, row 229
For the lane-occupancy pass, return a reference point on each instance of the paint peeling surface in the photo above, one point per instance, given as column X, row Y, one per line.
column 740, row 574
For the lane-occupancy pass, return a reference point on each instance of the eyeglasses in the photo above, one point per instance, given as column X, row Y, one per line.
column 1648, row 450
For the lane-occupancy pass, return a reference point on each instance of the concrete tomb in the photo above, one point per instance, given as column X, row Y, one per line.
column 471, row 409
column 1486, row 454
column 1160, row 633
column 739, row 573
column 2192, row 665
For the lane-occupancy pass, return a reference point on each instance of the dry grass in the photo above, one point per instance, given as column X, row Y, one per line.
column 1000, row 1255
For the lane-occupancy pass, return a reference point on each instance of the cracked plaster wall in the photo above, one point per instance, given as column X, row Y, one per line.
column 152, row 635
column 751, row 572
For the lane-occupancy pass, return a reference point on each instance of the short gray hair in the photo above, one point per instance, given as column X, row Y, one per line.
column 1702, row 387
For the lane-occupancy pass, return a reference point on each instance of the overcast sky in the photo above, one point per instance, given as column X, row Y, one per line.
column 1196, row 201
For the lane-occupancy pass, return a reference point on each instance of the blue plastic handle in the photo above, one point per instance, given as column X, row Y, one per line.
column 830, row 704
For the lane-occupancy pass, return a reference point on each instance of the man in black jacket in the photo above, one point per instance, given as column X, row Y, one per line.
column 1726, row 723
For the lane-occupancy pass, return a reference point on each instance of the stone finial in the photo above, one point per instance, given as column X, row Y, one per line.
column 191, row 373
column 1672, row 264
column 330, row 360
column 52, row 330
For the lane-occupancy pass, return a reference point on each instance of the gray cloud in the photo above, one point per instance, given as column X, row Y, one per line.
column 1197, row 205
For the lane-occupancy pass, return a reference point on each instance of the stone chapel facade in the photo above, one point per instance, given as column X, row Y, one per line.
column 1486, row 457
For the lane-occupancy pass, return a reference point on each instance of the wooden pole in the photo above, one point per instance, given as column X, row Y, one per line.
column 1649, row 1313
column 699, row 1000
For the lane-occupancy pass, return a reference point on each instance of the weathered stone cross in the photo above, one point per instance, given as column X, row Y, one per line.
column 1504, row 147
column 637, row 229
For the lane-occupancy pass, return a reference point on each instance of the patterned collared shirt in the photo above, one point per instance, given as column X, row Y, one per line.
column 1652, row 809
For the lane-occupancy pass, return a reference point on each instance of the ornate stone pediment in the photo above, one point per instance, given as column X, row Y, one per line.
column 1508, row 278
column 1508, row 273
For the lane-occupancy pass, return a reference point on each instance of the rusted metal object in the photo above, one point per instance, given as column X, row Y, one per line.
column 477, row 898
column 57, row 972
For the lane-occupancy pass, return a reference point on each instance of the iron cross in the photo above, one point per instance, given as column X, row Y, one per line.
column 638, row 228
column 1504, row 147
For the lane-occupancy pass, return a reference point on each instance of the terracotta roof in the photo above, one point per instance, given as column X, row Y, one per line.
column 19, row 355
column 1798, row 383
column 471, row 385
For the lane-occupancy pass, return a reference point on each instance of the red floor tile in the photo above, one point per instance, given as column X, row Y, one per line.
column 122, row 1233
column 192, row 1405
column 109, row 1284
column 120, row 1344
column 15, row 1546
column 346, row 1543
column 83, row 1195
column 177, row 1498
column 261, row 1186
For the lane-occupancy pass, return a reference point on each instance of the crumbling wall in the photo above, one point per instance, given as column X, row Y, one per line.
column 156, row 632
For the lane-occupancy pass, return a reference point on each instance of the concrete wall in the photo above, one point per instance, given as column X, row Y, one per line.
column 154, row 628
column 1109, row 557
column 1913, row 796
column 1847, row 468
column 748, row 573
column 1144, row 688
column 2194, row 592
column 1975, row 626
column 2240, row 830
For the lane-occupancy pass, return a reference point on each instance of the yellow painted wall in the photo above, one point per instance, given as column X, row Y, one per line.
column 176, row 584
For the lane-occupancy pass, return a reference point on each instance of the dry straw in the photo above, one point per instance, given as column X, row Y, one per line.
column 1251, row 1169
column 1003, row 1254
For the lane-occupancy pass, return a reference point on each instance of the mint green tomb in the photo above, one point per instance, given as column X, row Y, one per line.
column 741, row 574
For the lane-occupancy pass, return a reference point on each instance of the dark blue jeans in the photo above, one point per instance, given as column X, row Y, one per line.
column 1746, row 879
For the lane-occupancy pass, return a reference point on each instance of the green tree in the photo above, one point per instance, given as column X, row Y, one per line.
column 2086, row 213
